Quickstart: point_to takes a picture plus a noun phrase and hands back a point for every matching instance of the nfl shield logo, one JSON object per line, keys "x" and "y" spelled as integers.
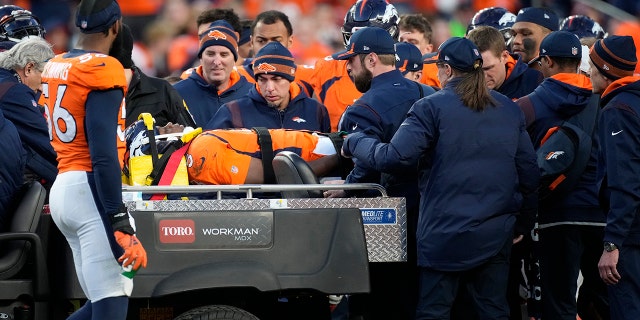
{"x": 574, "y": 51}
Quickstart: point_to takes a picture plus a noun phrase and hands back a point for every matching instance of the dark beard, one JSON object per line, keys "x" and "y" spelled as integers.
{"x": 363, "y": 81}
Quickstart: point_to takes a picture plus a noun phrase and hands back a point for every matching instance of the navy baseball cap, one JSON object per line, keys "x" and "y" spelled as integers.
{"x": 459, "y": 53}
{"x": 97, "y": 16}
{"x": 561, "y": 44}
{"x": 541, "y": 16}
{"x": 408, "y": 57}
{"x": 367, "y": 40}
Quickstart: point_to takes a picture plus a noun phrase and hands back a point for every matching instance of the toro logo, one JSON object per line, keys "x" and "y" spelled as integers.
{"x": 177, "y": 231}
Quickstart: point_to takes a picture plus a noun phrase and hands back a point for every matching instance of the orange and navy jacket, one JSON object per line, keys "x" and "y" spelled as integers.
{"x": 520, "y": 79}
{"x": 333, "y": 87}
{"x": 204, "y": 99}
{"x": 302, "y": 113}
{"x": 557, "y": 99}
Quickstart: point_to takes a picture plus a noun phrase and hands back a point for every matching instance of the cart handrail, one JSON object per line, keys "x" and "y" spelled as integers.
{"x": 251, "y": 188}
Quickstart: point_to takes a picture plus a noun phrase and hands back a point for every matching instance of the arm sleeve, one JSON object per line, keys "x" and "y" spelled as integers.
{"x": 397, "y": 155}
{"x": 622, "y": 161}
{"x": 101, "y": 106}
{"x": 356, "y": 119}
{"x": 25, "y": 114}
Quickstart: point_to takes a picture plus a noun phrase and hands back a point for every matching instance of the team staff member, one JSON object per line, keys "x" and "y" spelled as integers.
{"x": 330, "y": 79}
{"x": 215, "y": 81}
{"x": 275, "y": 101}
{"x": 571, "y": 224}
{"x": 481, "y": 173}
{"x": 503, "y": 72}
{"x": 84, "y": 89}
{"x": 613, "y": 60}
{"x": 20, "y": 77}
{"x": 387, "y": 97}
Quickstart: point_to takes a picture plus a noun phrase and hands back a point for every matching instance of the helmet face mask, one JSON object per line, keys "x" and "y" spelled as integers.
{"x": 376, "y": 13}
{"x": 20, "y": 24}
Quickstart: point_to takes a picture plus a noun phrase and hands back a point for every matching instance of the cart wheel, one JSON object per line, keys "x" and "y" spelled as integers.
{"x": 216, "y": 312}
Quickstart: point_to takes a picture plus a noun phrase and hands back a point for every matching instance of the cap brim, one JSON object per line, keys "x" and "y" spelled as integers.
{"x": 430, "y": 58}
{"x": 343, "y": 55}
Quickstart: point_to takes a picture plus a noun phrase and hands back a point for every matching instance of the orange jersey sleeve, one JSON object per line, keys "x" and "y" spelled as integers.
{"x": 66, "y": 83}
{"x": 334, "y": 88}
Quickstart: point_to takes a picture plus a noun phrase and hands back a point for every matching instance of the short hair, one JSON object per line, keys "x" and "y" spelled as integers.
{"x": 488, "y": 38}
{"x": 271, "y": 17}
{"x": 418, "y": 22}
{"x": 228, "y": 15}
{"x": 567, "y": 62}
{"x": 33, "y": 50}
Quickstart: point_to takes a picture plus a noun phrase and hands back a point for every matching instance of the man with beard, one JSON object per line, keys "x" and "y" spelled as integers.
{"x": 531, "y": 26}
{"x": 387, "y": 97}
{"x": 276, "y": 101}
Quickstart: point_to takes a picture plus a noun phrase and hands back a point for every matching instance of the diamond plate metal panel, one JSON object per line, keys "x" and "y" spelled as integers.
{"x": 385, "y": 242}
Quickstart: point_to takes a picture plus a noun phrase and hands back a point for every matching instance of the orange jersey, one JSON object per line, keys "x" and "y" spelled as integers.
{"x": 66, "y": 83}
{"x": 222, "y": 156}
{"x": 430, "y": 75}
{"x": 334, "y": 88}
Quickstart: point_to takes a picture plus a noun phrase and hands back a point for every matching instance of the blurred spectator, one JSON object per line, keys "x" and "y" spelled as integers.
{"x": 139, "y": 13}
{"x": 180, "y": 14}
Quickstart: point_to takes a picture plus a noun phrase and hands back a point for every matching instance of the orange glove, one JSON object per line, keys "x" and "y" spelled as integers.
{"x": 134, "y": 253}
